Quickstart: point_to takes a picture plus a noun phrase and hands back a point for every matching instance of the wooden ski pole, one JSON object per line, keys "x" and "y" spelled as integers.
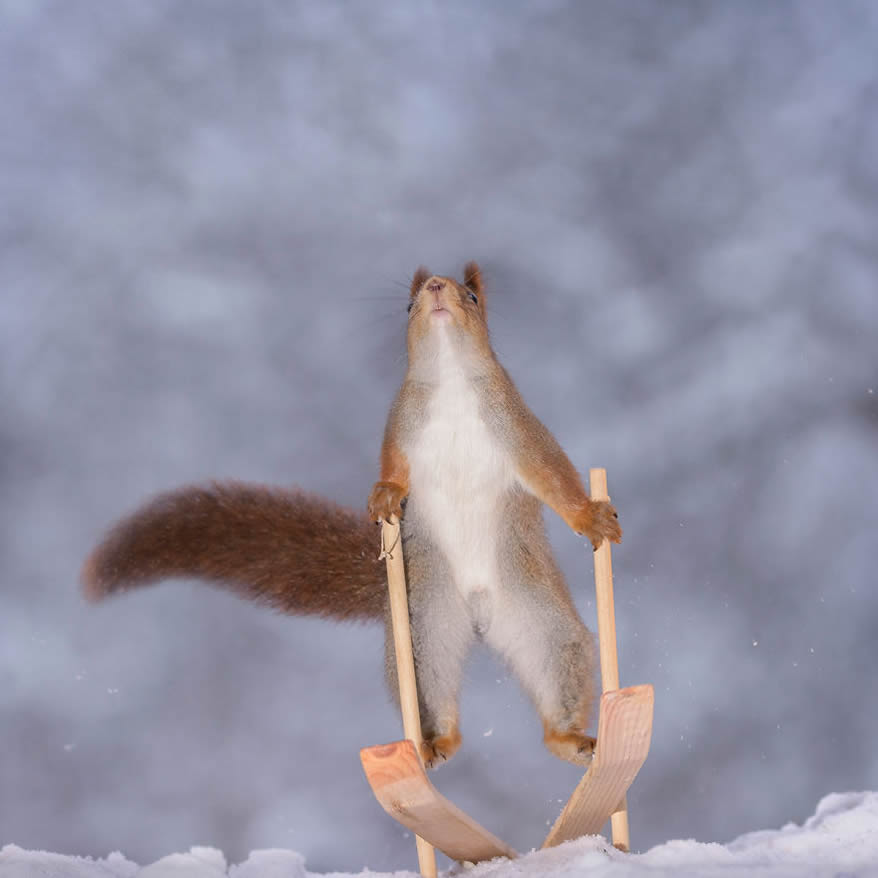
{"x": 606, "y": 612}
{"x": 391, "y": 551}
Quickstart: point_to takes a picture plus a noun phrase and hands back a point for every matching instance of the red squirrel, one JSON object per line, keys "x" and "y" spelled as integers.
{"x": 466, "y": 466}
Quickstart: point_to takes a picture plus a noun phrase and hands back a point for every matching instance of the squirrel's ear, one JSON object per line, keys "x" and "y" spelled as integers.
{"x": 419, "y": 279}
{"x": 472, "y": 277}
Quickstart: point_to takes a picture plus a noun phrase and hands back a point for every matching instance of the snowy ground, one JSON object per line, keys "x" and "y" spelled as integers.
{"x": 839, "y": 841}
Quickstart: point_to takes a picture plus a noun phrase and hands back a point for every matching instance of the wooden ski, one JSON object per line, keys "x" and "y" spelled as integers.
{"x": 400, "y": 783}
{"x": 624, "y": 733}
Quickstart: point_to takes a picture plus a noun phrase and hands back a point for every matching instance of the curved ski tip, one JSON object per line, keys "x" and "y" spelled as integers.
{"x": 394, "y": 760}
{"x": 643, "y": 692}
{"x": 384, "y": 751}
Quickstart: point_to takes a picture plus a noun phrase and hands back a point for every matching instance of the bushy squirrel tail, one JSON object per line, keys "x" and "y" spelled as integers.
{"x": 293, "y": 551}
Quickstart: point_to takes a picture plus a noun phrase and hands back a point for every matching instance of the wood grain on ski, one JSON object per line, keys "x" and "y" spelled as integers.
{"x": 624, "y": 733}
{"x": 401, "y": 785}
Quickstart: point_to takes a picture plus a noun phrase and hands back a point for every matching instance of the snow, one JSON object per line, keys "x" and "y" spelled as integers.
{"x": 839, "y": 841}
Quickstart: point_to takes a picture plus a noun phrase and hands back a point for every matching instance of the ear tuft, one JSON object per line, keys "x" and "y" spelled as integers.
{"x": 472, "y": 277}
{"x": 419, "y": 279}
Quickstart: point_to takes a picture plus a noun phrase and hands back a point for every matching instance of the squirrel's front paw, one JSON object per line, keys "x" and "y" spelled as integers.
{"x": 598, "y": 520}
{"x": 386, "y": 500}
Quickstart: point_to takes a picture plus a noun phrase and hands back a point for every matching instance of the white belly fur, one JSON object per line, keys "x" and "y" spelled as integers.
{"x": 459, "y": 474}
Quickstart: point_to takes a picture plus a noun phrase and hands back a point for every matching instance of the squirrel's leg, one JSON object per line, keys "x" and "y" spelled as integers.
{"x": 553, "y": 655}
{"x": 442, "y": 635}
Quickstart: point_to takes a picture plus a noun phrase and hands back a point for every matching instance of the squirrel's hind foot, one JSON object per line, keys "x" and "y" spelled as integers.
{"x": 435, "y": 751}
{"x": 570, "y": 746}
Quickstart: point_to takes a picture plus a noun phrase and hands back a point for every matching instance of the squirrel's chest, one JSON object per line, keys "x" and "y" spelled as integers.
{"x": 459, "y": 474}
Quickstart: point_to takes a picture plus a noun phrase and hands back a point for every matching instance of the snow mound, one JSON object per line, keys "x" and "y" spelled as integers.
{"x": 839, "y": 841}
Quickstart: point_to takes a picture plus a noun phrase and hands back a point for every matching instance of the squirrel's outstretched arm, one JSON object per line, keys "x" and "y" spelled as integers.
{"x": 392, "y": 486}
{"x": 294, "y": 551}
{"x": 545, "y": 470}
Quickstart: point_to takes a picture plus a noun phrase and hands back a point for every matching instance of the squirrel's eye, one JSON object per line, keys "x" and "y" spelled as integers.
{"x": 473, "y": 296}
{"x": 411, "y": 305}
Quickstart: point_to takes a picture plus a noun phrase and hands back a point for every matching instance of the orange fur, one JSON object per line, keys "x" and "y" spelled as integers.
{"x": 469, "y": 317}
{"x": 441, "y": 748}
{"x": 572, "y": 746}
{"x": 418, "y": 279}
{"x": 472, "y": 278}
{"x": 288, "y": 549}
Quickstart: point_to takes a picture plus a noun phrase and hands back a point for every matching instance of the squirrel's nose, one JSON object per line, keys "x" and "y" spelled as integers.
{"x": 435, "y": 285}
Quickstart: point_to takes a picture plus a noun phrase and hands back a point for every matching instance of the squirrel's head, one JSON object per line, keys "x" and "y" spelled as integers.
{"x": 440, "y": 307}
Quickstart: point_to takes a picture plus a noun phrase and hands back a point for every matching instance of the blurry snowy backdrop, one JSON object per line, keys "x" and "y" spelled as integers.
{"x": 210, "y": 213}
